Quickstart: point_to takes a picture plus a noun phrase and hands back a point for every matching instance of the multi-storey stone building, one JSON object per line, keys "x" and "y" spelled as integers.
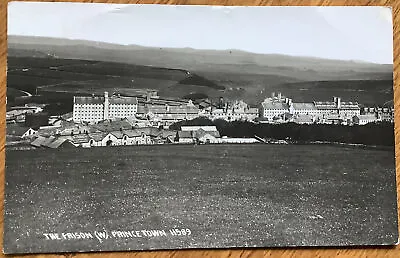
{"x": 277, "y": 108}
{"x": 94, "y": 109}
{"x": 337, "y": 106}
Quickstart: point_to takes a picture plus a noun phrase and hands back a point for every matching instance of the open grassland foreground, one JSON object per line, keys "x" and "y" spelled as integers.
{"x": 216, "y": 195}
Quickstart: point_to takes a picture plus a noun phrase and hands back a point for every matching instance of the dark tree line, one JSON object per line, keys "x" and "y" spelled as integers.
{"x": 371, "y": 134}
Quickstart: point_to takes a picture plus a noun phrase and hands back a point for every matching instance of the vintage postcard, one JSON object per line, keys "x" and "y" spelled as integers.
{"x": 149, "y": 127}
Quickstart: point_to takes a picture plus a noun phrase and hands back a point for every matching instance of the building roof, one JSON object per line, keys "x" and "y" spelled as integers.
{"x": 217, "y": 111}
{"x": 109, "y": 126}
{"x": 275, "y": 105}
{"x": 135, "y": 132}
{"x": 29, "y": 105}
{"x": 132, "y": 120}
{"x": 165, "y": 109}
{"x": 38, "y": 141}
{"x": 183, "y": 109}
{"x": 195, "y": 128}
{"x": 57, "y": 142}
{"x": 201, "y": 133}
{"x": 303, "y": 119}
{"x": 132, "y": 133}
{"x": 13, "y": 113}
{"x": 204, "y": 104}
{"x": 185, "y": 134}
{"x": 168, "y": 133}
{"x": 15, "y": 129}
{"x": 98, "y": 136}
{"x": 122, "y": 100}
{"x": 367, "y": 117}
{"x": 47, "y": 141}
{"x": 205, "y": 135}
{"x": 304, "y": 106}
{"x": 163, "y": 101}
{"x": 349, "y": 105}
{"x": 67, "y": 116}
{"x": 151, "y": 131}
{"x": 80, "y": 138}
{"x": 100, "y": 100}
{"x": 88, "y": 100}
{"x": 325, "y": 105}
{"x": 43, "y": 141}
{"x": 118, "y": 134}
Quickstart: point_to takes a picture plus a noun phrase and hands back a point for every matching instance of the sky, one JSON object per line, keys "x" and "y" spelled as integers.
{"x": 345, "y": 33}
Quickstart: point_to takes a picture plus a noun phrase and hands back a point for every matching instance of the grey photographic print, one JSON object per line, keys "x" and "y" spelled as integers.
{"x": 153, "y": 127}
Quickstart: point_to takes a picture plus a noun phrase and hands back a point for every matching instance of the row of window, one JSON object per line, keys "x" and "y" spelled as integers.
{"x": 119, "y": 108}
{"x": 101, "y": 107}
{"x": 115, "y": 105}
{"x": 122, "y": 111}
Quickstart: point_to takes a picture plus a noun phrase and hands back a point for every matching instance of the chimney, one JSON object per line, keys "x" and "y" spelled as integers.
{"x": 290, "y": 102}
{"x": 339, "y": 102}
{"x": 221, "y": 102}
{"x": 286, "y": 100}
{"x": 148, "y": 97}
{"x": 273, "y": 94}
{"x": 335, "y": 100}
{"x": 106, "y": 106}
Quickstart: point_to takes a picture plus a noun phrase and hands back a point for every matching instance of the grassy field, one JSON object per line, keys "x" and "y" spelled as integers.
{"x": 226, "y": 195}
{"x": 65, "y": 75}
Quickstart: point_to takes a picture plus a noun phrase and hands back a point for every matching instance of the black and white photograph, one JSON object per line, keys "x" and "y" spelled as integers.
{"x": 162, "y": 127}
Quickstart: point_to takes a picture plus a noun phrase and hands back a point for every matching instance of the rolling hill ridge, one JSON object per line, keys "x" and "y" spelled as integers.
{"x": 76, "y": 66}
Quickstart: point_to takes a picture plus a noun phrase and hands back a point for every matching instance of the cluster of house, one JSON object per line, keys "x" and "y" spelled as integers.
{"x": 105, "y": 133}
{"x": 155, "y": 112}
{"x": 275, "y": 109}
{"x": 238, "y": 110}
{"x": 111, "y": 133}
{"x": 278, "y": 109}
{"x": 119, "y": 120}
{"x": 19, "y": 113}
{"x": 139, "y": 136}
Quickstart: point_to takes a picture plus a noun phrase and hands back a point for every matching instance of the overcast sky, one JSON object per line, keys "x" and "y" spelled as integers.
{"x": 347, "y": 33}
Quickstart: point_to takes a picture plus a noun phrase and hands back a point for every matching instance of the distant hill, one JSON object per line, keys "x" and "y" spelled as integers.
{"x": 231, "y": 61}
{"x": 71, "y": 66}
